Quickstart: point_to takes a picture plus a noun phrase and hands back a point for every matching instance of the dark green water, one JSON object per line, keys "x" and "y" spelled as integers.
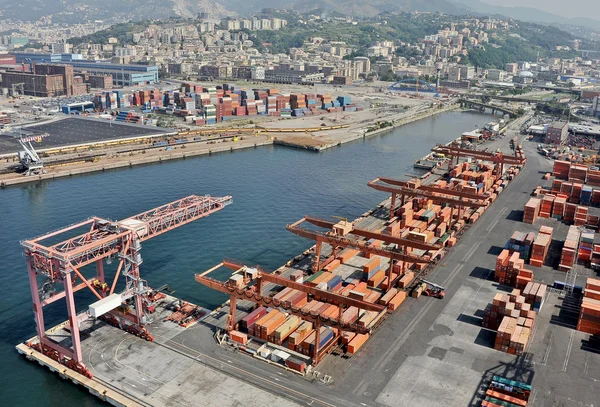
{"x": 270, "y": 187}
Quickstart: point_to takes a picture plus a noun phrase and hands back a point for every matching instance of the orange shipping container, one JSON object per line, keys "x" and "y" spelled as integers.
{"x": 358, "y": 341}
{"x": 347, "y": 255}
{"x": 388, "y": 296}
{"x": 272, "y": 325}
{"x": 347, "y": 337}
{"x": 507, "y": 398}
{"x": 238, "y": 337}
{"x": 371, "y": 265}
{"x": 397, "y": 300}
{"x": 333, "y": 265}
{"x": 376, "y": 279}
{"x": 406, "y": 279}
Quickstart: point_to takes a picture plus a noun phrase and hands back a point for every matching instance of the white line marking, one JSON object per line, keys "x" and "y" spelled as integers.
{"x": 569, "y": 347}
{"x": 545, "y": 359}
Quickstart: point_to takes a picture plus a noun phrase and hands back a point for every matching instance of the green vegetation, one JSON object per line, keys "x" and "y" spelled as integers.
{"x": 122, "y": 32}
{"x": 527, "y": 42}
{"x": 165, "y": 121}
{"x": 393, "y": 27}
{"x": 379, "y": 125}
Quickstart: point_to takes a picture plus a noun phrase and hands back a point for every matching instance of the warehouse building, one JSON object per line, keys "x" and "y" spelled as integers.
{"x": 290, "y": 76}
{"x": 122, "y": 74}
{"x": 45, "y": 80}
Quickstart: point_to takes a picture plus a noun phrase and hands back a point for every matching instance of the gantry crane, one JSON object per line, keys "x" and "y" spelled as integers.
{"x": 254, "y": 280}
{"x": 498, "y": 158}
{"x": 337, "y": 238}
{"x": 63, "y": 263}
{"x": 456, "y": 199}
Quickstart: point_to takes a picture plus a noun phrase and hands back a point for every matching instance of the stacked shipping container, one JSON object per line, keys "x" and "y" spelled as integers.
{"x": 589, "y": 316}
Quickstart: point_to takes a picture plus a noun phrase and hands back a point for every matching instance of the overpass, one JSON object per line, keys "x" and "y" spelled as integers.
{"x": 504, "y": 98}
{"x": 483, "y": 106}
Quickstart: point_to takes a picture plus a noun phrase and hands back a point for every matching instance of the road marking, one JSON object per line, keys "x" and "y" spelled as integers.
{"x": 532, "y": 398}
{"x": 199, "y": 354}
{"x": 547, "y": 353}
{"x": 472, "y": 251}
{"x": 496, "y": 219}
{"x": 569, "y": 347}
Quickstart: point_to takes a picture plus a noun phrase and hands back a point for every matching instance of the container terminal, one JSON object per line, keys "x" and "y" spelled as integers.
{"x": 424, "y": 300}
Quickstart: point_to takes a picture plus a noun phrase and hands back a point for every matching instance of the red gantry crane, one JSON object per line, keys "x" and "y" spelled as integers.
{"x": 252, "y": 289}
{"x": 63, "y": 263}
{"x": 456, "y": 199}
{"x": 498, "y": 158}
{"x": 337, "y": 237}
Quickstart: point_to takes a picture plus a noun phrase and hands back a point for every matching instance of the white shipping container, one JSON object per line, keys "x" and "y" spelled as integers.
{"x": 105, "y": 305}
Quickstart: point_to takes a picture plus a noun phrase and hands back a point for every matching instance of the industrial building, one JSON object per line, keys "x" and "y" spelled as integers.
{"x": 290, "y": 76}
{"x": 557, "y": 132}
{"x": 122, "y": 74}
{"x": 45, "y": 80}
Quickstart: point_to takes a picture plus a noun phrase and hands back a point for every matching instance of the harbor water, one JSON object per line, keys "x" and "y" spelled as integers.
{"x": 271, "y": 187}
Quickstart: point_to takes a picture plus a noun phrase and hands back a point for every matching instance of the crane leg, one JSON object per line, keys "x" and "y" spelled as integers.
{"x": 316, "y": 262}
{"x": 232, "y": 306}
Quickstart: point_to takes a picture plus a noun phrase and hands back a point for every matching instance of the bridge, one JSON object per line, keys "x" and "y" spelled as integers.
{"x": 484, "y": 97}
{"x": 413, "y": 85}
{"x": 586, "y": 52}
{"x": 483, "y": 106}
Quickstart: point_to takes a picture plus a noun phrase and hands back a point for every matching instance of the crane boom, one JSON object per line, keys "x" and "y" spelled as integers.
{"x": 103, "y": 240}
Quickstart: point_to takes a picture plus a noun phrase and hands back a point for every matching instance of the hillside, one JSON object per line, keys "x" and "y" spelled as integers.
{"x": 71, "y": 11}
{"x": 527, "y": 14}
{"x": 75, "y": 11}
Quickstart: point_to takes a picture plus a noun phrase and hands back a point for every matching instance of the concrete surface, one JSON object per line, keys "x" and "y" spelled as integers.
{"x": 75, "y": 130}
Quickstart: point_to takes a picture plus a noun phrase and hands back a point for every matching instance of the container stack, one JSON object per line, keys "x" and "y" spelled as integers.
{"x": 569, "y": 251}
{"x": 559, "y": 207}
{"x": 284, "y": 330}
{"x": 343, "y": 100}
{"x": 541, "y": 246}
{"x": 297, "y": 102}
{"x": 271, "y": 104}
{"x": 593, "y": 178}
{"x": 546, "y": 207}
{"x": 265, "y": 326}
{"x": 586, "y": 195}
{"x": 300, "y": 334}
{"x": 581, "y": 216}
{"x": 308, "y": 346}
{"x": 586, "y": 247}
{"x": 535, "y": 294}
{"x": 595, "y": 260}
{"x": 589, "y": 316}
{"x": 326, "y": 100}
{"x": 249, "y": 320}
{"x": 500, "y": 307}
{"x": 504, "y": 392}
{"x": 251, "y": 107}
{"x": 575, "y": 196}
{"x": 578, "y": 173}
{"x": 570, "y": 210}
{"x": 521, "y": 242}
{"x": 511, "y": 337}
{"x": 532, "y": 210}
{"x": 510, "y": 269}
{"x": 561, "y": 169}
